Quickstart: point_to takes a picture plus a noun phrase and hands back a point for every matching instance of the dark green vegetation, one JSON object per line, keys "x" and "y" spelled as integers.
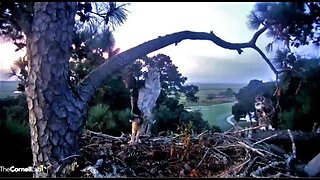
{"x": 298, "y": 97}
{"x": 14, "y": 133}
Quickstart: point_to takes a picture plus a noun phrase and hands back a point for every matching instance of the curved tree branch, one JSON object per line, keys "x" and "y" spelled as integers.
{"x": 265, "y": 58}
{"x": 258, "y": 33}
{"x": 94, "y": 79}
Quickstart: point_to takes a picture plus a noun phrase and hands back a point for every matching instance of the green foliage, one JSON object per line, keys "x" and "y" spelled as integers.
{"x": 172, "y": 81}
{"x": 102, "y": 119}
{"x": 16, "y": 127}
{"x": 195, "y": 117}
{"x": 299, "y": 101}
{"x": 216, "y": 129}
{"x": 14, "y": 132}
{"x": 170, "y": 115}
{"x": 99, "y": 117}
{"x": 286, "y": 119}
{"x": 295, "y": 23}
{"x": 14, "y": 115}
{"x": 113, "y": 93}
{"x": 190, "y": 93}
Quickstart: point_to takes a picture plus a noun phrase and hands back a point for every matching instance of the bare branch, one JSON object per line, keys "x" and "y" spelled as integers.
{"x": 95, "y": 78}
{"x": 257, "y": 34}
{"x": 293, "y": 144}
{"x": 266, "y": 59}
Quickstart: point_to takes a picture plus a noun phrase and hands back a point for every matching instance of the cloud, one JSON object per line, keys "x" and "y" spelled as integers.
{"x": 230, "y": 70}
{"x": 198, "y": 60}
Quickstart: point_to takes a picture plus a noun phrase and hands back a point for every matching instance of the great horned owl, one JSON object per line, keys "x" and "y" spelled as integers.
{"x": 265, "y": 112}
{"x": 135, "y": 129}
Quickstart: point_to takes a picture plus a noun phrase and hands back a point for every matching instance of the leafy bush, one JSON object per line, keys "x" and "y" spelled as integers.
{"x": 216, "y": 129}
{"x": 14, "y": 132}
{"x": 99, "y": 118}
{"x": 102, "y": 119}
{"x": 170, "y": 115}
{"x": 195, "y": 117}
{"x": 14, "y": 115}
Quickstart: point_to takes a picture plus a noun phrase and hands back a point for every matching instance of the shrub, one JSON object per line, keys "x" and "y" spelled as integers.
{"x": 14, "y": 115}
{"x": 102, "y": 119}
{"x": 170, "y": 115}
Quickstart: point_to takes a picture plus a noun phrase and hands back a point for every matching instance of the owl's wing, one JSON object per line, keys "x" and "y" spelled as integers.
{"x": 149, "y": 94}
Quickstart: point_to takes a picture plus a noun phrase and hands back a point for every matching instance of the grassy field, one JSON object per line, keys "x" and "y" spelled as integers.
{"x": 216, "y": 114}
{"x": 216, "y": 110}
{"x": 7, "y": 88}
{"x": 211, "y": 88}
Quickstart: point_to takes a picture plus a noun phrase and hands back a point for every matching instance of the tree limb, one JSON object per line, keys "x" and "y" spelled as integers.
{"x": 258, "y": 33}
{"x": 94, "y": 79}
{"x": 298, "y": 136}
{"x": 265, "y": 59}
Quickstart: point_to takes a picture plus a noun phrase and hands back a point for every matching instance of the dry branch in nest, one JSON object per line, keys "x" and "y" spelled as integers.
{"x": 180, "y": 155}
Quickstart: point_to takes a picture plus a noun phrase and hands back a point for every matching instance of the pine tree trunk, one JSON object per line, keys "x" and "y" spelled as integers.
{"x": 55, "y": 113}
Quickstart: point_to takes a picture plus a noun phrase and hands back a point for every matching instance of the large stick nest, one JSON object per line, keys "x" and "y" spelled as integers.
{"x": 178, "y": 155}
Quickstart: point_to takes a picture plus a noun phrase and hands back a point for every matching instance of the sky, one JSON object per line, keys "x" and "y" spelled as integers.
{"x": 199, "y": 61}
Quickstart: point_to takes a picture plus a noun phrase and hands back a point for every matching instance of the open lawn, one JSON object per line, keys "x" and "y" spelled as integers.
{"x": 216, "y": 114}
{"x": 215, "y": 110}
{"x": 211, "y": 88}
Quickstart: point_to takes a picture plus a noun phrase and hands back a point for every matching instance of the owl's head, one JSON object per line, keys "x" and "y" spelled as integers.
{"x": 260, "y": 98}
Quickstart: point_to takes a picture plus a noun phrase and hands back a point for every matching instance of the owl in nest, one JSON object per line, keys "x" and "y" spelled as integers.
{"x": 265, "y": 112}
{"x": 136, "y": 124}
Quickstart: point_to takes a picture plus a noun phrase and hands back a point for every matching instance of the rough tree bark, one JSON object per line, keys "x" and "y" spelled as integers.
{"x": 56, "y": 114}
